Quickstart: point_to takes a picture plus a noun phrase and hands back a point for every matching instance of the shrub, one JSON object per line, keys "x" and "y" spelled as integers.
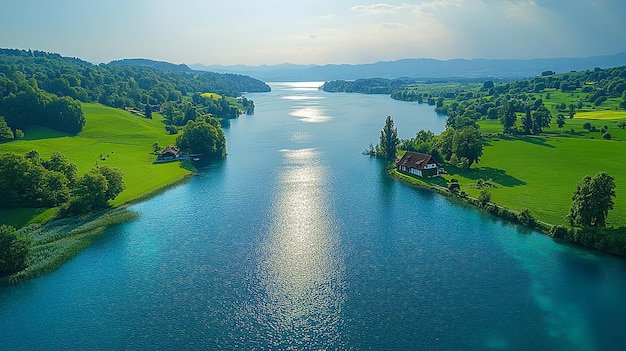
{"x": 171, "y": 129}
{"x": 454, "y": 186}
{"x": 558, "y": 232}
{"x": 506, "y": 214}
{"x": 14, "y": 250}
{"x": 484, "y": 197}
{"x": 607, "y": 136}
{"x": 526, "y": 218}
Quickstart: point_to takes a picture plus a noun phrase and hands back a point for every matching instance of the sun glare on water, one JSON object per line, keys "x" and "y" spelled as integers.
{"x": 300, "y": 271}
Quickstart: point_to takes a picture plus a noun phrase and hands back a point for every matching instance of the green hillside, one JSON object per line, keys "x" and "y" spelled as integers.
{"x": 111, "y": 137}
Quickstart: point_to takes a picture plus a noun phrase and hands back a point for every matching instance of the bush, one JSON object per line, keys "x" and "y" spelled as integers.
{"x": 484, "y": 197}
{"x": 171, "y": 129}
{"x": 607, "y": 136}
{"x": 608, "y": 240}
{"x": 454, "y": 186}
{"x": 14, "y": 251}
{"x": 506, "y": 214}
{"x": 526, "y": 218}
{"x": 558, "y": 232}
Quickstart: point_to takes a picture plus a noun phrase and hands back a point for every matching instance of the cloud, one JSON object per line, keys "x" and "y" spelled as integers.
{"x": 380, "y": 9}
{"x": 323, "y": 31}
{"x": 417, "y": 9}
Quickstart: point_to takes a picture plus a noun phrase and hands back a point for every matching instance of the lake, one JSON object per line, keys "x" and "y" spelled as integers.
{"x": 297, "y": 241}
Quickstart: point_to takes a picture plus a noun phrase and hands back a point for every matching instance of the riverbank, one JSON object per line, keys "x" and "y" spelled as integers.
{"x": 608, "y": 240}
{"x": 59, "y": 240}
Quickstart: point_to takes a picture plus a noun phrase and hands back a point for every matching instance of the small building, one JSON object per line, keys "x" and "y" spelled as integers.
{"x": 422, "y": 165}
{"x": 169, "y": 153}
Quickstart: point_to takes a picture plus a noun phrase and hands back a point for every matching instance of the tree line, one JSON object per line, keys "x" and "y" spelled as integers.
{"x": 31, "y": 181}
{"x": 460, "y": 147}
{"x": 45, "y": 88}
{"x": 23, "y": 103}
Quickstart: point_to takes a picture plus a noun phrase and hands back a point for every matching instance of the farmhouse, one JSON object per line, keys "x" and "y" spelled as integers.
{"x": 417, "y": 163}
{"x": 169, "y": 153}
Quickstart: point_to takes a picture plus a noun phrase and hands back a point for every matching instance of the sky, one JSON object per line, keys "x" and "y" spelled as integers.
{"x": 253, "y": 32}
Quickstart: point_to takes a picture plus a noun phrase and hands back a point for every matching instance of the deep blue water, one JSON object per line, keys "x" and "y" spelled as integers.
{"x": 297, "y": 241}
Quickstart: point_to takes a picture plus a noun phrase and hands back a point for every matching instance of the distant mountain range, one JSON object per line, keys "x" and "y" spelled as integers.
{"x": 158, "y": 65}
{"x": 421, "y": 68}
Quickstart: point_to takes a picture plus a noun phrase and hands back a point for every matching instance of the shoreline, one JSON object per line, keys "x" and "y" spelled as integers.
{"x": 59, "y": 240}
{"x": 610, "y": 241}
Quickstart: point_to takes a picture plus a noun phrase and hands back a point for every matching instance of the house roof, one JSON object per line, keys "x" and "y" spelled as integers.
{"x": 170, "y": 150}
{"x": 415, "y": 160}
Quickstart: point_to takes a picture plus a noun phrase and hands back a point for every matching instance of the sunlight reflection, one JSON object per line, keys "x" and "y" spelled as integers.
{"x": 310, "y": 114}
{"x": 301, "y": 273}
{"x": 300, "y": 137}
{"x": 301, "y": 97}
{"x": 304, "y": 86}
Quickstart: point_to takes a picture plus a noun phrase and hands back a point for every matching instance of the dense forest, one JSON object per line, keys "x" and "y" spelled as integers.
{"x": 45, "y": 88}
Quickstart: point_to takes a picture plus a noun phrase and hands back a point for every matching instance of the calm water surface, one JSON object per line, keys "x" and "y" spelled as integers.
{"x": 298, "y": 242}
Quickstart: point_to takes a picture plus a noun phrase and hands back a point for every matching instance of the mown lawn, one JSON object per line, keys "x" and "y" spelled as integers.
{"x": 541, "y": 172}
{"x": 111, "y": 137}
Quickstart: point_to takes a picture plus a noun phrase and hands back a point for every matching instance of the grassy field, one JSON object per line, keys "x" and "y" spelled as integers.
{"x": 111, "y": 137}
{"x": 214, "y": 96}
{"x": 541, "y": 172}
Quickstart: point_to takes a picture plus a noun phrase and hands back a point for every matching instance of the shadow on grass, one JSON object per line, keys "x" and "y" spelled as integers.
{"x": 498, "y": 176}
{"x": 38, "y": 133}
{"x": 537, "y": 140}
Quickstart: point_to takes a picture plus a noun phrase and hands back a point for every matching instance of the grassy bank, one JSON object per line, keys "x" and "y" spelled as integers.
{"x": 56, "y": 242}
{"x": 111, "y": 137}
{"x": 540, "y": 173}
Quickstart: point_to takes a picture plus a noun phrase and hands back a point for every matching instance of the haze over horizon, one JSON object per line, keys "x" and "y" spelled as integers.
{"x": 315, "y": 32}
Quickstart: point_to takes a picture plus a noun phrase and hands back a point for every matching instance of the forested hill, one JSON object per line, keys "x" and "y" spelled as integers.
{"x": 111, "y": 83}
{"x": 158, "y": 65}
{"x": 37, "y": 87}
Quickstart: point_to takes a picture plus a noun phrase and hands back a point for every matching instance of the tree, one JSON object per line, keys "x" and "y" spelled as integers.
{"x": 90, "y": 192}
{"x": 65, "y": 114}
{"x": 560, "y": 120}
{"x": 204, "y": 137}
{"x": 592, "y": 200}
{"x": 60, "y": 163}
{"x": 389, "y": 140}
{"x": 541, "y": 119}
{"x": 14, "y": 251}
{"x": 115, "y": 181}
{"x": 468, "y": 144}
{"x": 445, "y": 143}
{"x": 148, "y": 111}
{"x": 484, "y": 197}
{"x": 527, "y": 122}
{"x": 156, "y": 147}
{"x": 507, "y": 116}
{"x": 5, "y": 131}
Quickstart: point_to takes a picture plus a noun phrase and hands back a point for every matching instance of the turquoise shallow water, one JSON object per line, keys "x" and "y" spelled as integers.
{"x": 297, "y": 241}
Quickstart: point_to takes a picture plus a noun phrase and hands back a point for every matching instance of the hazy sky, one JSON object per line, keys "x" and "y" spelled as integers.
{"x": 318, "y": 32}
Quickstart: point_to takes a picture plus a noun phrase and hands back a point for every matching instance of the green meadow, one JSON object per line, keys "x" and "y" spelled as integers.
{"x": 214, "y": 96}
{"x": 541, "y": 172}
{"x": 110, "y": 137}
